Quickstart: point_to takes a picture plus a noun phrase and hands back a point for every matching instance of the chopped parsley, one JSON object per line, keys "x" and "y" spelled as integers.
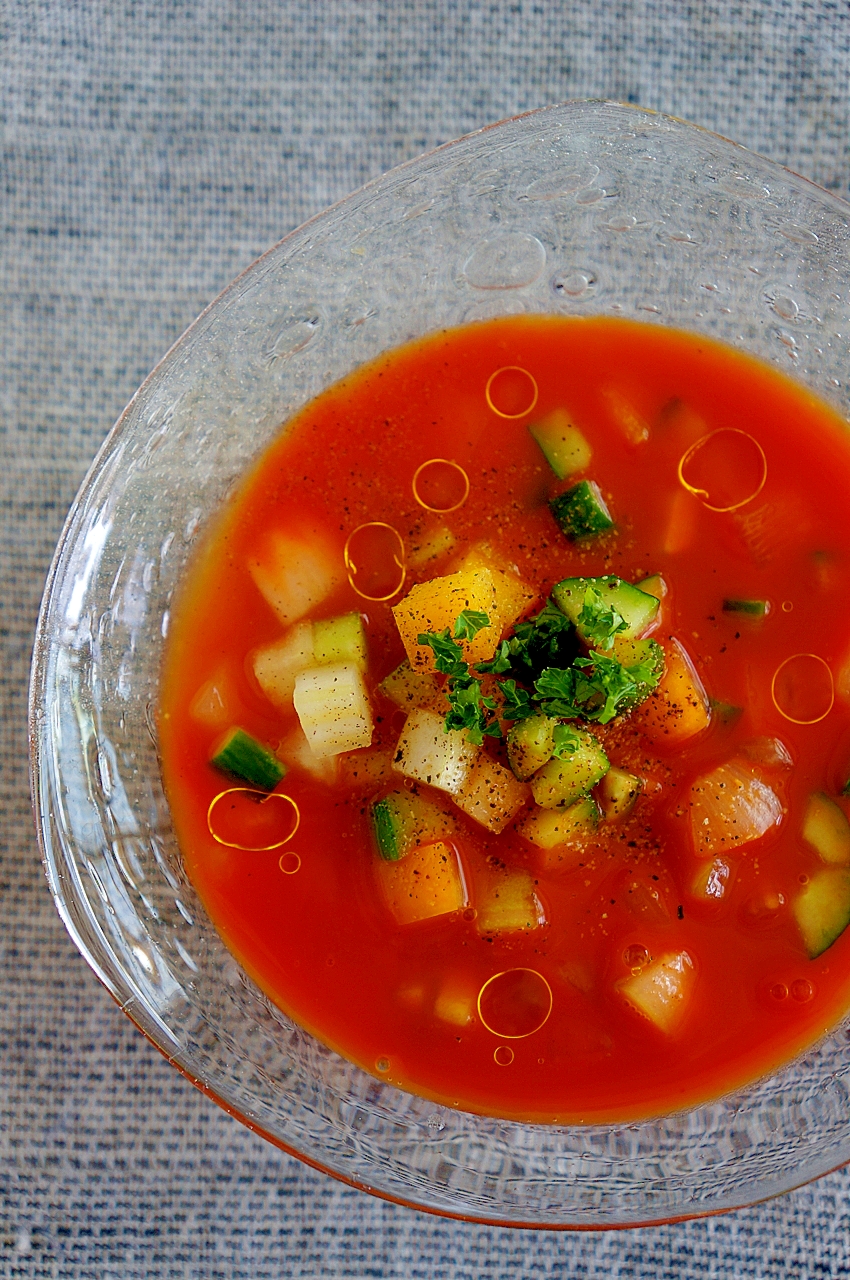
{"x": 599, "y": 622}
{"x": 550, "y": 672}
{"x": 469, "y": 623}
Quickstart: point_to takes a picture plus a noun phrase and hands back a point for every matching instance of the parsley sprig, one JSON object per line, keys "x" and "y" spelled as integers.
{"x": 599, "y": 623}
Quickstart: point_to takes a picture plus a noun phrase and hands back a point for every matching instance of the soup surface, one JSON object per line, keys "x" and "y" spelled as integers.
{"x": 618, "y": 883}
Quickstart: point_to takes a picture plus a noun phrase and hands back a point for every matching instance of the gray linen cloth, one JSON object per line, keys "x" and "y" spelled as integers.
{"x": 150, "y": 151}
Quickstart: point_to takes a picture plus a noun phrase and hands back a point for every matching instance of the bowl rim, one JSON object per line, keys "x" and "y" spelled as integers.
{"x": 38, "y": 672}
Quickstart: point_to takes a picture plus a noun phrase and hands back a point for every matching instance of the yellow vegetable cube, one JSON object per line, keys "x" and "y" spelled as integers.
{"x": 435, "y": 605}
{"x": 506, "y": 903}
{"x": 513, "y": 596}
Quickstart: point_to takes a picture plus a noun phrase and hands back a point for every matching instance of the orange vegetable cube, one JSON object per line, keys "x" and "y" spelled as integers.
{"x": 678, "y": 709}
{"x": 424, "y": 883}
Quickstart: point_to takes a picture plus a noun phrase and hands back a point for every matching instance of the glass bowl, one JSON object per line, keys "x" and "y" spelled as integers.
{"x": 580, "y": 209}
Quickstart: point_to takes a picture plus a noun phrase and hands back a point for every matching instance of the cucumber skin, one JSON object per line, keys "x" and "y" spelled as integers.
{"x": 384, "y": 822}
{"x": 581, "y": 512}
{"x": 244, "y": 757}
{"x": 752, "y": 608}
{"x": 521, "y": 752}
{"x": 822, "y": 910}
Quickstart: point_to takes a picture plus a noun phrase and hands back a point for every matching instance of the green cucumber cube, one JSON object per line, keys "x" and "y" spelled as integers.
{"x": 530, "y": 745}
{"x": 563, "y": 781}
{"x": 752, "y": 608}
{"x": 822, "y": 910}
{"x": 563, "y": 445}
{"x": 246, "y": 758}
{"x": 637, "y": 608}
{"x": 581, "y": 512}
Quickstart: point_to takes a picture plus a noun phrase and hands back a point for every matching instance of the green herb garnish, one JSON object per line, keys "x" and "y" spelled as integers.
{"x": 599, "y": 622}
{"x": 469, "y": 623}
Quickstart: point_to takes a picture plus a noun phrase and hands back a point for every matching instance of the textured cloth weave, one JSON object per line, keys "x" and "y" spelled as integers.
{"x": 150, "y": 151}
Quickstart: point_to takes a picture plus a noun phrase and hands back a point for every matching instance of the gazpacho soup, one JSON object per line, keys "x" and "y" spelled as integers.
{"x": 505, "y": 719}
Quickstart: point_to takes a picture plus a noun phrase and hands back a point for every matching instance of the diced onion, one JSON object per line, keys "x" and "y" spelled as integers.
{"x": 731, "y": 806}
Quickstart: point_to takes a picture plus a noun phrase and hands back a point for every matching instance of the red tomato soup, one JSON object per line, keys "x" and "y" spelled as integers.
{"x": 607, "y": 875}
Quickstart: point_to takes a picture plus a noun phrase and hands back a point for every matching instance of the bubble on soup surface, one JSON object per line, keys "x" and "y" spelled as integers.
{"x": 251, "y": 820}
{"x": 515, "y": 1003}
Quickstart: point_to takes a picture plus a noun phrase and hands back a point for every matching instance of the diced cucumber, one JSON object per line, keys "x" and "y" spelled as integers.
{"x": 563, "y": 781}
{"x": 581, "y": 512}
{"x": 551, "y": 828}
{"x": 753, "y": 608}
{"x": 564, "y": 447}
{"x": 635, "y": 606}
{"x": 404, "y": 819}
{"x": 341, "y": 639}
{"x": 649, "y": 654}
{"x": 246, "y": 758}
{"x": 827, "y": 830}
{"x": 618, "y": 792}
{"x": 530, "y": 745}
{"x": 408, "y": 688}
{"x": 822, "y": 910}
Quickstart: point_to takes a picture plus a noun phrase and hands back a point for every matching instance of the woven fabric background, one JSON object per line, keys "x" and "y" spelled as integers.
{"x": 151, "y": 149}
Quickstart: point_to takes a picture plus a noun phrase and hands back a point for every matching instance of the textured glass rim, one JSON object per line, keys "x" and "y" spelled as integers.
{"x": 37, "y": 689}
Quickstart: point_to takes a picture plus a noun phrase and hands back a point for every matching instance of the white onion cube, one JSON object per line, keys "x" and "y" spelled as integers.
{"x": 333, "y": 707}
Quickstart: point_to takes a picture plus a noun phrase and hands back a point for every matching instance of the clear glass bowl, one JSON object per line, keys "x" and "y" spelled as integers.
{"x": 579, "y": 209}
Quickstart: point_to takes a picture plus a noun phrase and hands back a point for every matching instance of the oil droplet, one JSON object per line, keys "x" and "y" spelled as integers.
{"x": 515, "y": 1003}
{"x": 802, "y": 689}
{"x": 725, "y": 469}
{"x": 503, "y": 1056}
{"x": 787, "y": 606}
{"x": 375, "y": 560}
{"x": 440, "y": 485}
{"x": 289, "y": 863}
{"x": 802, "y": 990}
{"x": 779, "y": 991}
{"x": 470, "y": 913}
{"x": 511, "y": 392}
{"x": 382, "y": 1065}
{"x": 636, "y": 957}
{"x": 244, "y": 818}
